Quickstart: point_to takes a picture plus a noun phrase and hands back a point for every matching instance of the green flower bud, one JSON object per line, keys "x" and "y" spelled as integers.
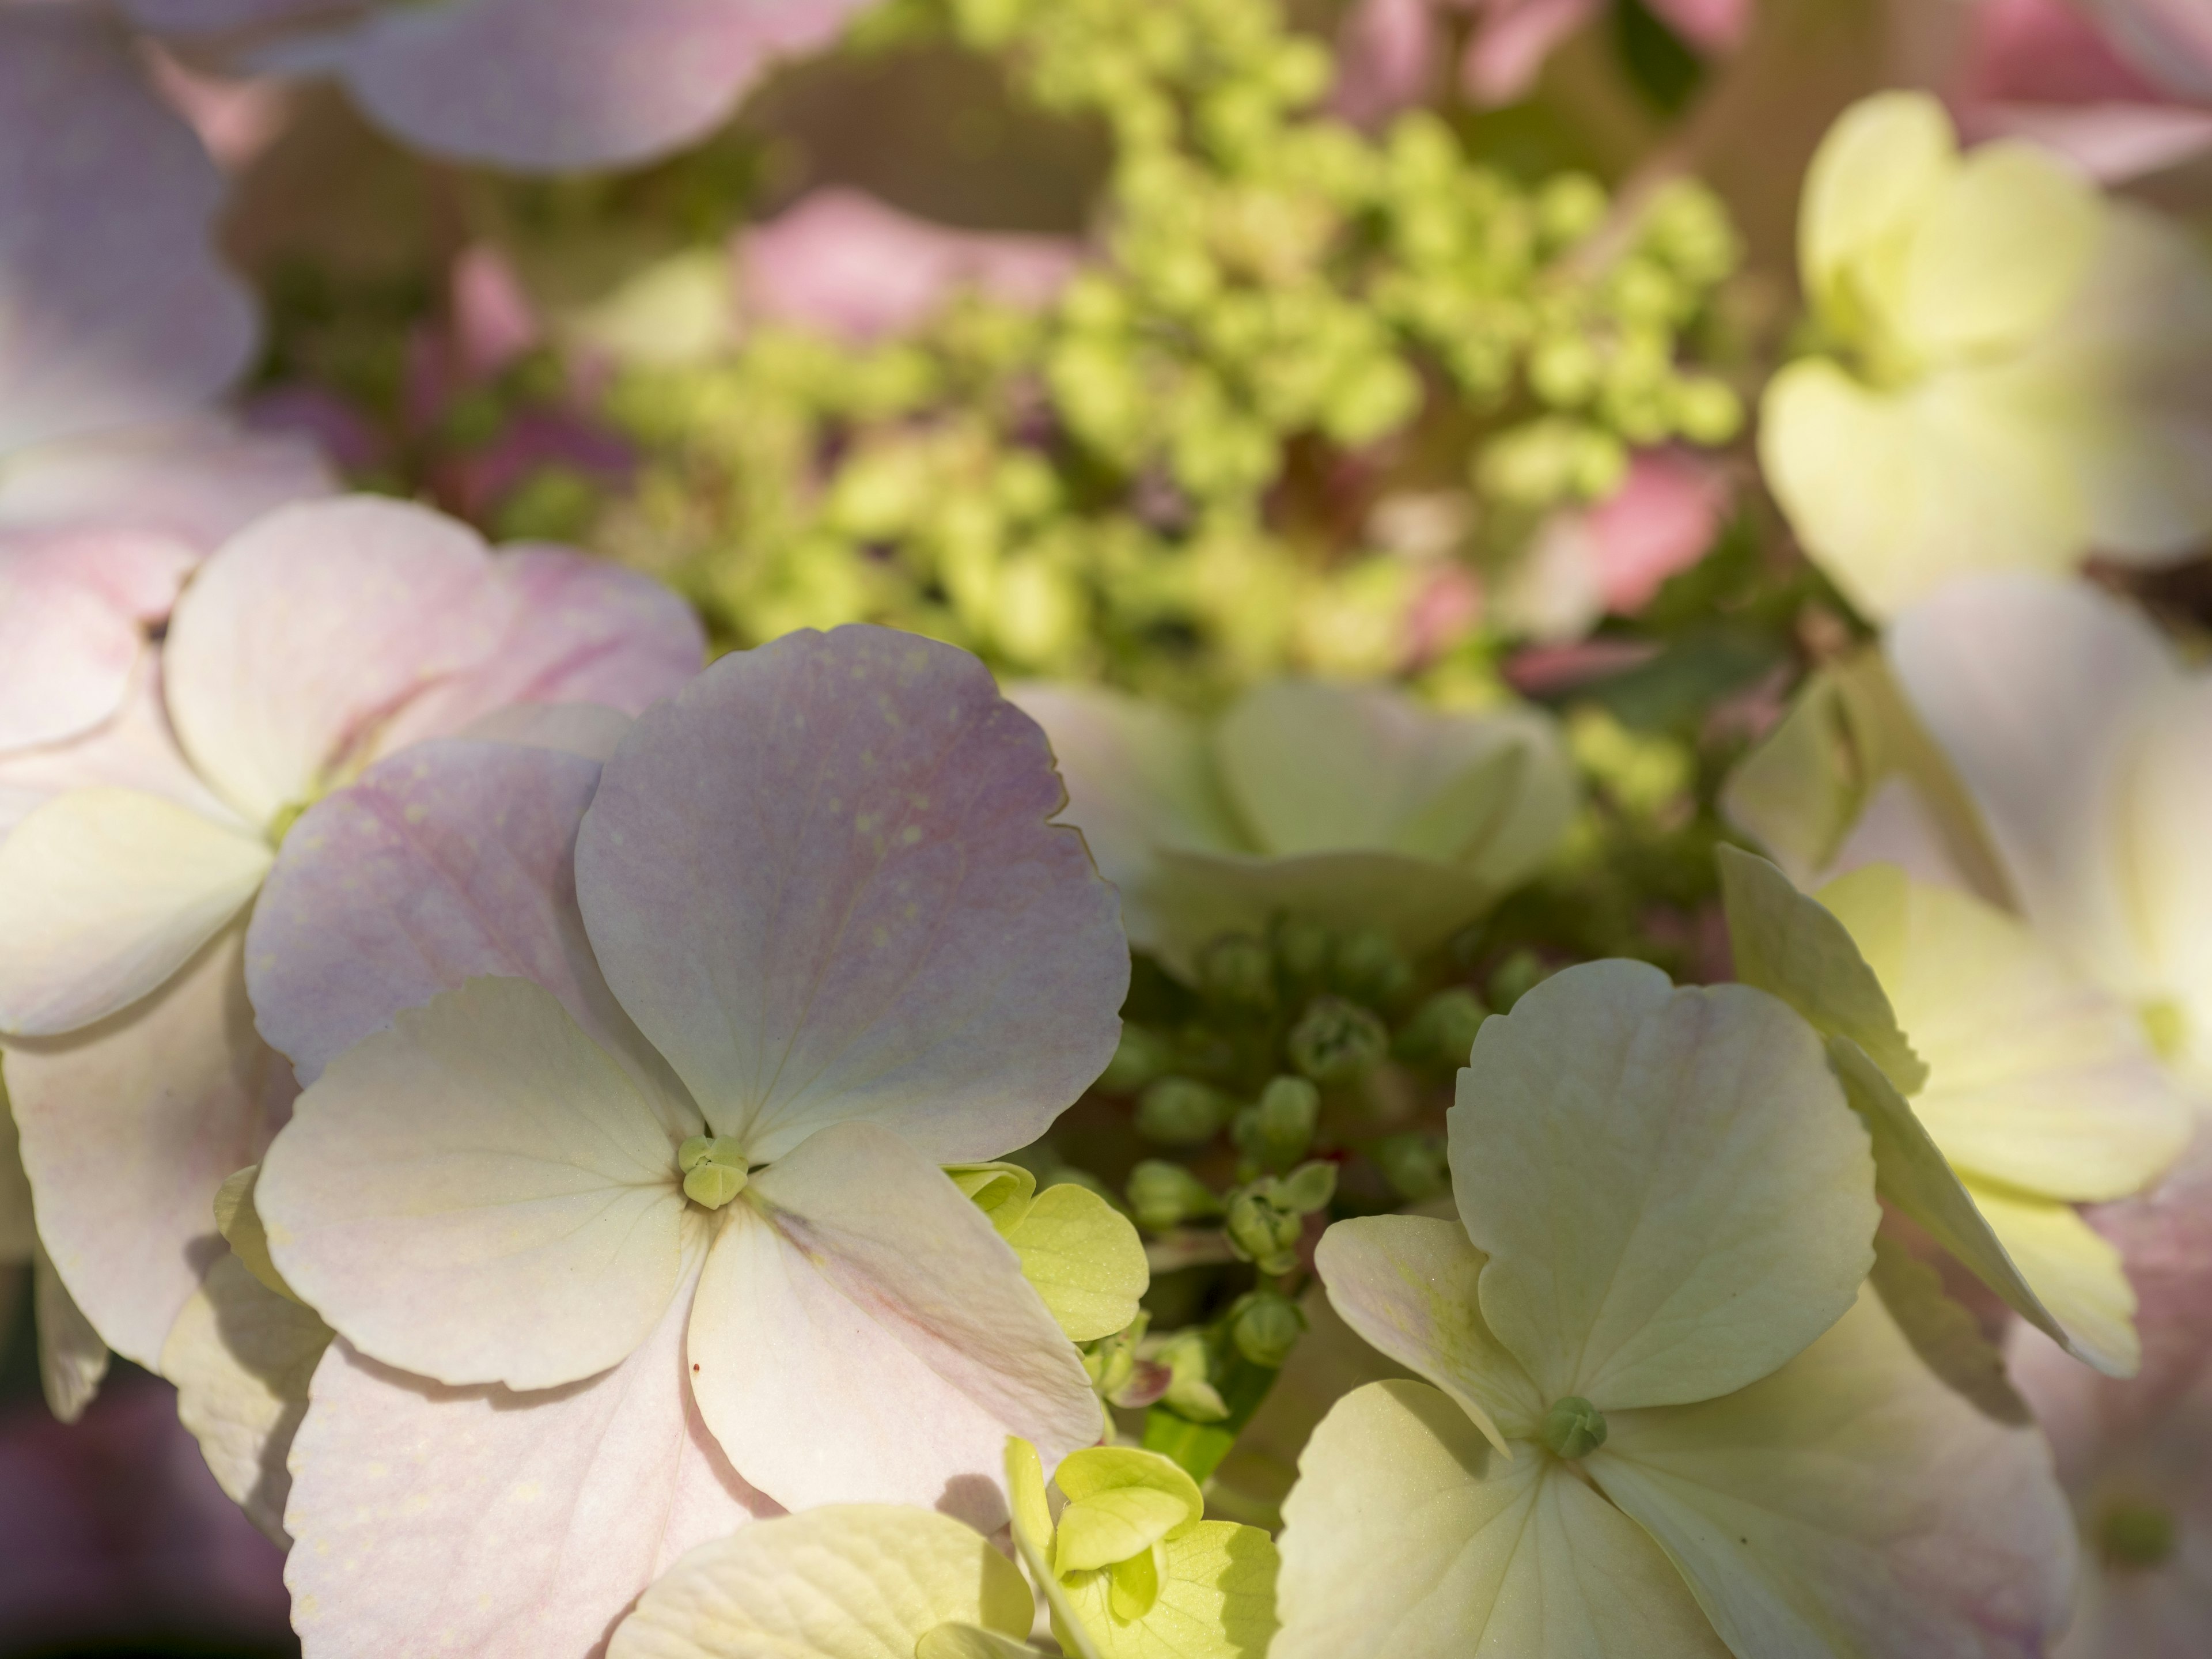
{"x": 1303, "y": 948}
{"x": 1177, "y": 1111}
{"x": 1164, "y": 1196}
{"x": 1573, "y": 1428}
{"x": 1141, "y": 1055}
{"x": 1564, "y": 369}
{"x": 1337, "y": 1042}
{"x": 1276, "y": 1131}
{"x": 1515, "y": 977}
{"x": 1263, "y": 1233}
{"x": 1369, "y": 967}
{"x": 1306, "y": 1189}
{"x": 2135, "y": 1535}
{"x": 1570, "y": 207}
{"x": 1237, "y": 971}
{"x": 1378, "y": 396}
{"x": 1441, "y": 1034}
{"x": 1266, "y": 1327}
{"x": 1707, "y": 412}
{"x": 1190, "y": 1391}
{"x": 1415, "y": 1165}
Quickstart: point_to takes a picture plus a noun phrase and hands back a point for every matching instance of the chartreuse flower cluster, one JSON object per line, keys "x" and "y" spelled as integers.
{"x": 1112, "y": 487}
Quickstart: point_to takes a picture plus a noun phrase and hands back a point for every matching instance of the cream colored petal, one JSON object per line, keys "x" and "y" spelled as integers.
{"x": 72, "y": 1359}
{"x": 1407, "y": 1285}
{"x": 2036, "y": 1079}
{"x": 1894, "y": 493}
{"x": 18, "y": 1232}
{"x": 1851, "y": 1504}
{"x": 129, "y": 1127}
{"x": 241, "y": 1356}
{"x": 850, "y": 1581}
{"x": 1216, "y": 1598}
{"x": 1870, "y": 184}
{"x": 1409, "y": 1537}
{"x": 2074, "y": 1270}
{"x": 477, "y": 1523}
{"x": 863, "y": 1334}
{"x": 2036, "y": 691}
{"x": 105, "y": 894}
{"x": 1673, "y": 1194}
{"x": 2001, "y": 248}
{"x": 480, "y": 1193}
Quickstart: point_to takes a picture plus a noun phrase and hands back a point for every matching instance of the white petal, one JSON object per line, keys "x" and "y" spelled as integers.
{"x": 480, "y": 1194}
{"x": 72, "y": 1359}
{"x": 863, "y": 1334}
{"x": 451, "y": 1523}
{"x": 1673, "y": 1195}
{"x": 104, "y": 895}
{"x": 128, "y": 1129}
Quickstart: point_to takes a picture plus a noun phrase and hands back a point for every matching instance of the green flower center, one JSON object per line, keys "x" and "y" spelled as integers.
{"x": 2167, "y": 1026}
{"x": 1573, "y": 1428}
{"x": 715, "y": 1169}
{"x": 2135, "y": 1535}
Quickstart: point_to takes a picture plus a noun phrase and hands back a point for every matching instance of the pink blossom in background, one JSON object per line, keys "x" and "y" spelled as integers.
{"x": 1663, "y": 520}
{"x": 113, "y": 1530}
{"x": 113, "y": 306}
{"x": 2120, "y": 99}
{"x": 533, "y": 85}
{"x": 845, "y": 263}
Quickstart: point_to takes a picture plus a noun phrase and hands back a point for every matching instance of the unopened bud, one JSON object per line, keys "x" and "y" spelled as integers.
{"x": 1176, "y": 1111}
{"x": 1190, "y": 1392}
{"x": 1369, "y": 967}
{"x": 1301, "y": 952}
{"x": 1337, "y": 1042}
{"x": 1164, "y": 1196}
{"x": 1307, "y": 1188}
{"x": 1265, "y": 1327}
{"x": 1141, "y": 1055}
{"x": 1441, "y": 1034}
{"x": 1573, "y": 1428}
{"x": 715, "y": 1169}
{"x": 1275, "y": 1132}
{"x": 1237, "y": 971}
{"x": 1415, "y": 1166}
{"x": 1263, "y": 1233}
{"x": 1515, "y": 977}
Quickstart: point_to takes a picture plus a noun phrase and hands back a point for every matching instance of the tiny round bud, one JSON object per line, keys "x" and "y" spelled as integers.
{"x": 1415, "y": 1165}
{"x": 1515, "y": 977}
{"x": 1301, "y": 952}
{"x": 1369, "y": 967}
{"x": 1276, "y": 1131}
{"x": 1443, "y": 1030}
{"x": 1237, "y": 971}
{"x": 1263, "y": 1233}
{"x": 1306, "y": 1188}
{"x": 1337, "y": 1042}
{"x": 1141, "y": 1055}
{"x": 1573, "y": 1428}
{"x": 1165, "y": 1196}
{"x": 1265, "y": 1327}
{"x": 1177, "y": 1111}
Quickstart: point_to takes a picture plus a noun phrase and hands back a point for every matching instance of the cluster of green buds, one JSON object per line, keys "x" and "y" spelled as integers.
{"x": 1112, "y": 488}
{"x": 1266, "y": 1218}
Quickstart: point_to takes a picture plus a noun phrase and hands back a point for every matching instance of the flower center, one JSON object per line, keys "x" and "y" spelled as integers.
{"x": 715, "y": 1169}
{"x": 2167, "y": 1026}
{"x": 2135, "y": 1535}
{"x": 1573, "y": 1428}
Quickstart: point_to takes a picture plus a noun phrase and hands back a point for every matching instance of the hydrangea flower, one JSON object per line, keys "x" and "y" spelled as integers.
{"x": 2029, "y": 1090}
{"x": 2081, "y": 739}
{"x": 322, "y": 636}
{"x": 2016, "y": 368}
{"x": 617, "y": 1164}
{"x": 1355, "y": 806}
{"x": 1662, "y": 1414}
{"x": 113, "y": 308}
{"x": 538, "y": 85}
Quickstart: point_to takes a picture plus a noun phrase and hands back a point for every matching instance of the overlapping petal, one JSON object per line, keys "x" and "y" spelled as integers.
{"x": 1851, "y": 1503}
{"x": 1216, "y": 1596}
{"x": 134, "y": 750}
{"x": 863, "y": 1331}
{"x": 106, "y": 893}
{"x": 822, "y": 881}
{"x": 474, "y": 1523}
{"x": 313, "y": 626}
{"x": 200, "y": 480}
{"x": 481, "y": 1194}
{"x": 130, "y": 1126}
{"x": 1673, "y": 1194}
{"x": 116, "y": 309}
{"x": 74, "y": 610}
{"x": 1408, "y": 1536}
{"x": 849, "y": 1581}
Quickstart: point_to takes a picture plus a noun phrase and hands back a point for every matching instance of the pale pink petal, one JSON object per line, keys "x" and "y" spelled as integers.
{"x": 305, "y": 632}
{"x": 2043, "y": 52}
{"x": 113, "y": 308}
{"x": 2170, "y": 40}
{"x": 823, "y": 882}
{"x": 1662, "y": 520}
{"x": 451, "y": 862}
{"x": 1713, "y": 25}
{"x": 2032, "y": 687}
{"x": 135, "y": 750}
{"x": 476, "y": 1523}
{"x": 75, "y": 608}
{"x": 1512, "y": 39}
{"x": 129, "y": 1127}
{"x": 864, "y": 1335}
{"x": 493, "y": 321}
{"x": 581, "y": 630}
{"x": 185, "y": 18}
{"x": 200, "y": 480}
{"x": 843, "y": 263}
{"x": 1388, "y": 55}
{"x": 554, "y": 85}
{"x": 2114, "y": 143}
